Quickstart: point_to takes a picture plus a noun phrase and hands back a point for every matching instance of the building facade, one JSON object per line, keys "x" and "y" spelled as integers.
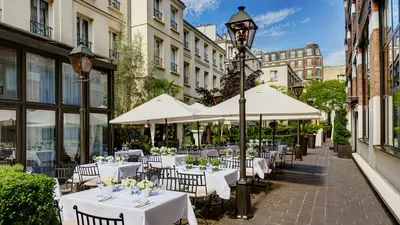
{"x": 307, "y": 62}
{"x": 179, "y": 51}
{"x": 39, "y": 95}
{"x": 334, "y": 73}
{"x": 373, "y": 80}
{"x": 279, "y": 76}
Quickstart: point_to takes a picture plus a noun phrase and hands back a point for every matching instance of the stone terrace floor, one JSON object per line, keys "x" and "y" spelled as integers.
{"x": 322, "y": 189}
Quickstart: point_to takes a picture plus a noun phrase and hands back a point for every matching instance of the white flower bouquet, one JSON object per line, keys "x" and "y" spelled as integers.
{"x": 99, "y": 158}
{"x": 228, "y": 152}
{"x": 109, "y": 181}
{"x": 110, "y": 158}
{"x": 172, "y": 151}
{"x": 164, "y": 150}
{"x": 145, "y": 184}
{"x": 251, "y": 153}
{"x": 128, "y": 182}
{"x": 119, "y": 159}
{"x": 155, "y": 151}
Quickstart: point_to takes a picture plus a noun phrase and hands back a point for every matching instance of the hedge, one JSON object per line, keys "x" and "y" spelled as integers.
{"x": 26, "y": 199}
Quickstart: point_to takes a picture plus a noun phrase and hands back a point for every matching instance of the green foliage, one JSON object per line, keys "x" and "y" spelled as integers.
{"x": 27, "y": 199}
{"x": 309, "y": 128}
{"x": 189, "y": 160}
{"x": 215, "y": 162}
{"x": 157, "y": 86}
{"x": 341, "y": 134}
{"x": 9, "y": 168}
{"x": 202, "y": 161}
{"x": 329, "y": 95}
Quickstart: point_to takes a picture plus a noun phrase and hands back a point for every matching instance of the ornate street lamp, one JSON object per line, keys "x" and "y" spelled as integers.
{"x": 297, "y": 90}
{"x": 82, "y": 61}
{"x": 242, "y": 29}
{"x": 218, "y": 97}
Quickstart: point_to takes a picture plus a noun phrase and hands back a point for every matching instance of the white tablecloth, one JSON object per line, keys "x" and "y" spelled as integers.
{"x": 40, "y": 156}
{"x": 218, "y": 181}
{"x": 170, "y": 161}
{"x": 114, "y": 170}
{"x": 130, "y": 152}
{"x": 209, "y": 152}
{"x": 168, "y": 207}
{"x": 260, "y": 167}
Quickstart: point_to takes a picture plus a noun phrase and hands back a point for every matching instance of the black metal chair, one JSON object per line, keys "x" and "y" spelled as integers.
{"x": 63, "y": 175}
{"x": 87, "y": 219}
{"x": 57, "y": 210}
{"x": 88, "y": 175}
{"x": 152, "y": 160}
{"x": 134, "y": 158}
{"x": 231, "y": 164}
{"x": 181, "y": 152}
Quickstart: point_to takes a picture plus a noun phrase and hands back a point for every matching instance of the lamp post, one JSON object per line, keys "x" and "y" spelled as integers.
{"x": 297, "y": 90}
{"x": 242, "y": 29}
{"x": 218, "y": 97}
{"x": 82, "y": 61}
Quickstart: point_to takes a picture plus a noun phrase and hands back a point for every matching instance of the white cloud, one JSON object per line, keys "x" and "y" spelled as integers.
{"x": 271, "y": 32}
{"x": 306, "y": 20}
{"x": 270, "y": 18}
{"x": 335, "y": 57}
{"x": 197, "y": 7}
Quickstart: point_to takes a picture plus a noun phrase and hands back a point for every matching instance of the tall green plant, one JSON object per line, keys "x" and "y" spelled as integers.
{"x": 341, "y": 134}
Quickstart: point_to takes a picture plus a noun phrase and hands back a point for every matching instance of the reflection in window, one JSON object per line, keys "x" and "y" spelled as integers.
{"x": 40, "y": 79}
{"x": 8, "y": 73}
{"x": 40, "y": 144}
{"x": 396, "y": 118}
{"x": 98, "y": 89}
{"x": 98, "y": 134}
{"x": 395, "y": 13}
{"x": 8, "y": 136}
{"x": 70, "y": 87}
{"x": 71, "y": 138}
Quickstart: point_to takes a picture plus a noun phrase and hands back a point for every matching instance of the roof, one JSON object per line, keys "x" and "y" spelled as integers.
{"x": 203, "y": 35}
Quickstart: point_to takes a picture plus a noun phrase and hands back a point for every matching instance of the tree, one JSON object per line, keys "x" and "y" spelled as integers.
{"x": 341, "y": 134}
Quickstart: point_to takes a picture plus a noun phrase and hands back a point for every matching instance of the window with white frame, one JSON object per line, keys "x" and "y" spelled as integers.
{"x": 186, "y": 73}
{"x": 266, "y": 57}
{"x": 318, "y": 61}
{"x": 113, "y": 41}
{"x": 185, "y": 38}
{"x": 214, "y": 83}
{"x": 309, "y": 72}
{"x": 158, "y": 51}
{"x": 283, "y": 55}
{"x": 158, "y": 9}
{"x": 273, "y": 75}
{"x": 309, "y": 62}
{"x": 309, "y": 51}
{"x": 196, "y": 46}
{"x": 205, "y": 80}
{"x": 40, "y": 18}
{"x": 82, "y": 30}
{"x": 196, "y": 77}
{"x": 273, "y": 56}
{"x": 292, "y": 54}
{"x": 300, "y": 73}
{"x": 174, "y": 23}
{"x": 317, "y": 52}
{"x": 300, "y": 53}
{"x": 300, "y": 63}
{"x": 292, "y": 64}
{"x": 205, "y": 51}
{"x": 174, "y": 60}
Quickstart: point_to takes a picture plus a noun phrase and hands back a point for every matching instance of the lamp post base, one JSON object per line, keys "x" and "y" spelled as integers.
{"x": 243, "y": 202}
{"x": 298, "y": 153}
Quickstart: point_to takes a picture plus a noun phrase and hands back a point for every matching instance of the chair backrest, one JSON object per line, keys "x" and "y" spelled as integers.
{"x": 63, "y": 174}
{"x": 87, "y": 219}
{"x": 134, "y": 158}
{"x": 91, "y": 170}
{"x": 57, "y": 210}
{"x": 181, "y": 152}
{"x": 249, "y": 163}
{"x": 264, "y": 155}
{"x": 231, "y": 163}
{"x": 154, "y": 158}
{"x": 271, "y": 161}
{"x": 160, "y": 173}
{"x": 191, "y": 183}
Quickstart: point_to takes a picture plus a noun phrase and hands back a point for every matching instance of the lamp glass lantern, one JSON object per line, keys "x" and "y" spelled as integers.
{"x": 81, "y": 59}
{"x": 241, "y": 29}
{"x": 218, "y": 97}
{"x": 297, "y": 89}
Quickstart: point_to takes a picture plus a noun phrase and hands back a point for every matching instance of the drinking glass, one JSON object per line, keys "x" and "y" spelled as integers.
{"x": 100, "y": 184}
{"x": 154, "y": 179}
{"x": 29, "y": 169}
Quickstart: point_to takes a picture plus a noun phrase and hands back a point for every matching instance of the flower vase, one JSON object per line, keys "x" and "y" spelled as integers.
{"x": 203, "y": 167}
{"x": 108, "y": 189}
{"x": 215, "y": 168}
{"x": 189, "y": 166}
{"x": 128, "y": 191}
{"x": 229, "y": 156}
{"x": 100, "y": 161}
{"x": 145, "y": 193}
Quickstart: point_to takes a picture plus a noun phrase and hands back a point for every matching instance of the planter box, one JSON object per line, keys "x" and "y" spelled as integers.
{"x": 335, "y": 147}
{"x": 311, "y": 140}
{"x": 344, "y": 151}
{"x": 303, "y": 143}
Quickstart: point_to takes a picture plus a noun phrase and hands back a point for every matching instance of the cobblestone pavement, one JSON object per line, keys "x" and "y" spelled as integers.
{"x": 322, "y": 189}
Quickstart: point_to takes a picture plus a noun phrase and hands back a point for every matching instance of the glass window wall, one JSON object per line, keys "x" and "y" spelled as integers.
{"x": 8, "y": 73}
{"x": 70, "y": 87}
{"x": 8, "y": 135}
{"x": 98, "y": 144}
{"x": 98, "y": 89}
{"x": 71, "y": 138}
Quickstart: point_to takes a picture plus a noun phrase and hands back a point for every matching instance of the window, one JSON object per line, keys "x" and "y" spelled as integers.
{"x": 98, "y": 89}
{"x": 71, "y": 90}
{"x": 317, "y": 52}
{"x": 174, "y": 23}
{"x": 113, "y": 41}
{"x": 309, "y": 72}
{"x": 266, "y": 57}
{"x": 283, "y": 55}
{"x": 292, "y": 64}
{"x": 115, "y": 4}
{"x": 174, "y": 55}
{"x": 214, "y": 84}
{"x": 8, "y": 73}
{"x": 300, "y": 53}
{"x": 158, "y": 59}
{"x": 273, "y": 56}
{"x": 82, "y": 31}
{"x": 318, "y": 72}
{"x": 40, "y": 144}
{"x": 196, "y": 46}
{"x": 40, "y": 18}
{"x": 273, "y": 75}
{"x": 186, "y": 73}
{"x": 98, "y": 130}
{"x": 205, "y": 80}
{"x": 395, "y": 9}
{"x": 309, "y": 62}
{"x": 185, "y": 39}
{"x": 300, "y": 63}
{"x": 309, "y": 51}
{"x": 318, "y": 61}
{"x": 196, "y": 77}
{"x": 395, "y": 91}
{"x": 221, "y": 61}
{"x": 71, "y": 142}
{"x": 205, "y": 52}
{"x": 157, "y": 9}
{"x": 365, "y": 88}
{"x": 300, "y": 74}
{"x": 8, "y": 134}
{"x": 292, "y": 54}
{"x": 40, "y": 79}
{"x": 214, "y": 58}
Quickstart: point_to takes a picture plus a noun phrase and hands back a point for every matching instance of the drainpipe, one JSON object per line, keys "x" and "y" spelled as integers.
{"x": 129, "y": 21}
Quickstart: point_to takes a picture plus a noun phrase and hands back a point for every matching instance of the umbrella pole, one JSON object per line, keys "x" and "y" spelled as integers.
{"x": 273, "y": 135}
{"x": 219, "y": 132}
{"x": 198, "y": 134}
{"x": 166, "y": 133}
{"x": 259, "y": 139}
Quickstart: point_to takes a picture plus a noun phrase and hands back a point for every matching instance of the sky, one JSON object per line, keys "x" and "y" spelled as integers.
{"x": 282, "y": 23}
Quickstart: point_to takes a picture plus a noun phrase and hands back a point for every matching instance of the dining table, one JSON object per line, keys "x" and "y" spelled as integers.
{"x": 115, "y": 170}
{"x": 163, "y": 207}
{"x": 129, "y": 152}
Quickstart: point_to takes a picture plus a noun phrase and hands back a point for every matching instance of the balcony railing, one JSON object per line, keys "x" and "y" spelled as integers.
{"x": 115, "y": 4}
{"x": 196, "y": 50}
{"x": 157, "y": 14}
{"x": 215, "y": 62}
{"x": 205, "y": 56}
{"x": 113, "y": 54}
{"x": 42, "y": 29}
{"x": 84, "y": 42}
{"x": 174, "y": 67}
{"x": 186, "y": 44}
{"x": 174, "y": 25}
{"x": 186, "y": 79}
{"x": 158, "y": 61}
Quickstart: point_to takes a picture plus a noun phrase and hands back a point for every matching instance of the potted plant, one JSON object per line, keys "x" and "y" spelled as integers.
{"x": 145, "y": 187}
{"x": 228, "y": 152}
{"x": 312, "y": 135}
{"x": 203, "y": 163}
{"x": 164, "y": 151}
{"x": 172, "y": 151}
{"x": 215, "y": 164}
{"x": 100, "y": 159}
{"x": 119, "y": 159}
{"x": 251, "y": 153}
{"x": 109, "y": 183}
{"x": 304, "y": 130}
{"x": 342, "y": 135}
{"x": 110, "y": 158}
{"x": 189, "y": 162}
{"x": 155, "y": 151}
{"x": 128, "y": 184}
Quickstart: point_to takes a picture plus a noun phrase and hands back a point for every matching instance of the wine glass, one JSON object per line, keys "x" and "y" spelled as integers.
{"x": 154, "y": 179}
{"x": 100, "y": 184}
{"x": 29, "y": 169}
{"x": 122, "y": 176}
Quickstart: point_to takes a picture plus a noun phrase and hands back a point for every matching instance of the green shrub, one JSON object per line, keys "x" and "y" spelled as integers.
{"x": 9, "y": 168}
{"x": 341, "y": 134}
{"x": 27, "y": 199}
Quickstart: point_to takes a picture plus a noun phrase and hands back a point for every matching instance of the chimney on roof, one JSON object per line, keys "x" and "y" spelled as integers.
{"x": 224, "y": 36}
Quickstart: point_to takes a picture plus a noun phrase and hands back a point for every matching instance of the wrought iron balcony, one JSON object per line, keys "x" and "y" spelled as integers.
{"x": 113, "y": 54}
{"x": 174, "y": 25}
{"x": 157, "y": 14}
{"x": 174, "y": 67}
{"x": 115, "y": 4}
{"x": 196, "y": 50}
{"x": 186, "y": 79}
{"x": 42, "y": 29}
{"x": 186, "y": 44}
{"x": 84, "y": 42}
{"x": 158, "y": 61}
{"x": 205, "y": 56}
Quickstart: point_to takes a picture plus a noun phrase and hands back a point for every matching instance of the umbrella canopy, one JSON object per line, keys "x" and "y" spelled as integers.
{"x": 158, "y": 110}
{"x": 199, "y": 107}
{"x": 267, "y": 102}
